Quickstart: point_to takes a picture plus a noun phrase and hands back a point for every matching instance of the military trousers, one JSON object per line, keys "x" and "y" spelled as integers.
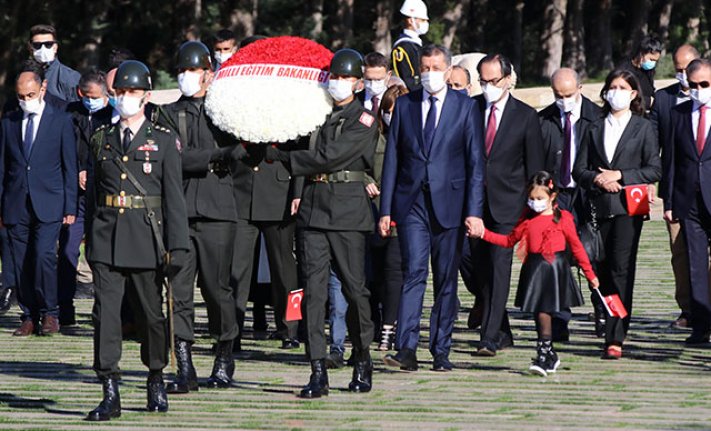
{"x": 145, "y": 292}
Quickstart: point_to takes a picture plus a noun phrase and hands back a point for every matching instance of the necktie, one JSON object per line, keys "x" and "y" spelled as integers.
{"x": 29, "y": 133}
{"x": 701, "y": 132}
{"x": 376, "y": 104}
{"x": 490, "y": 130}
{"x": 565, "y": 159}
{"x": 430, "y": 124}
{"x": 126, "y": 139}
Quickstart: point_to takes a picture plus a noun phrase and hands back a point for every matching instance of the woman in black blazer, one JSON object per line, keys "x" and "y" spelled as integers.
{"x": 618, "y": 150}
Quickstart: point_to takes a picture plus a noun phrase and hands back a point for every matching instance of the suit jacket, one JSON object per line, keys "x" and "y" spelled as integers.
{"x": 686, "y": 172}
{"x": 453, "y": 168}
{"x": 636, "y": 156}
{"x": 552, "y": 130}
{"x": 516, "y": 155}
{"x": 48, "y": 174}
{"x": 84, "y": 126}
{"x": 660, "y": 116}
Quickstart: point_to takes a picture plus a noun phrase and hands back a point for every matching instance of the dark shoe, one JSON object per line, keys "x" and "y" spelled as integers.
{"x": 362, "y": 380}
{"x": 612, "y": 352}
{"x": 697, "y": 337}
{"x": 157, "y": 397}
{"x": 318, "y": 382}
{"x": 538, "y": 365}
{"x": 186, "y": 378}
{"x": 486, "y": 348}
{"x": 50, "y": 325}
{"x": 476, "y": 315}
{"x": 5, "y": 300}
{"x": 25, "y": 330}
{"x": 334, "y": 360}
{"x": 441, "y": 363}
{"x": 682, "y": 322}
{"x": 67, "y": 321}
{"x": 552, "y": 360}
{"x": 387, "y": 338}
{"x": 223, "y": 368}
{"x": 406, "y": 359}
{"x": 110, "y": 406}
{"x": 290, "y": 344}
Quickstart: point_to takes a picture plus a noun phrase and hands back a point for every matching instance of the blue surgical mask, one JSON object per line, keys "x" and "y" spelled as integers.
{"x": 112, "y": 101}
{"x": 648, "y": 64}
{"x": 92, "y": 105}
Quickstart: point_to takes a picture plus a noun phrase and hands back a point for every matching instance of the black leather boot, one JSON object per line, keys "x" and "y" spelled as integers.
{"x": 5, "y": 300}
{"x": 110, "y": 406}
{"x": 362, "y": 373}
{"x": 318, "y": 383}
{"x": 224, "y": 366}
{"x": 157, "y": 397}
{"x": 186, "y": 377}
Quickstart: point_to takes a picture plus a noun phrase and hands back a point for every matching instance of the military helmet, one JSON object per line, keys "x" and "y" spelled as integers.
{"x": 133, "y": 74}
{"x": 347, "y": 62}
{"x": 193, "y": 55}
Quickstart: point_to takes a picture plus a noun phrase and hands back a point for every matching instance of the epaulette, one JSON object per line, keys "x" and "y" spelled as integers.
{"x": 100, "y": 128}
{"x": 161, "y": 128}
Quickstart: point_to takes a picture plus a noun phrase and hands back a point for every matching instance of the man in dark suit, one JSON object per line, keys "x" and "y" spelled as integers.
{"x": 563, "y": 125}
{"x": 514, "y": 152}
{"x": 38, "y": 188}
{"x": 432, "y": 182}
{"x": 664, "y": 100}
{"x": 687, "y": 172}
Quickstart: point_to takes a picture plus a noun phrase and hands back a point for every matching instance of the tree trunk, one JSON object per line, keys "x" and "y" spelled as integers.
{"x": 693, "y": 24}
{"x": 574, "y": 47}
{"x": 343, "y": 25}
{"x": 243, "y": 18}
{"x": 552, "y": 36}
{"x": 638, "y": 14}
{"x": 665, "y": 12}
{"x": 315, "y": 16}
{"x": 384, "y": 14}
{"x": 517, "y": 36}
{"x": 600, "y": 40}
{"x": 455, "y": 19}
{"x": 477, "y": 26}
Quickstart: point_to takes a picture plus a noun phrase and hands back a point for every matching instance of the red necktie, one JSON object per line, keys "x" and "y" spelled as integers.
{"x": 701, "y": 132}
{"x": 490, "y": 130}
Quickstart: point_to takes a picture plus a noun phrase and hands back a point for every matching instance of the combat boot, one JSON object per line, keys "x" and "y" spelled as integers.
{"x": 157, "y": 397}
{"x": 224, "y": 366}
{"x": 362, "y": 373}
{"x": 110, "y": 406}
{"x": 186, "y": 377}
{"x": 318, "y": 383}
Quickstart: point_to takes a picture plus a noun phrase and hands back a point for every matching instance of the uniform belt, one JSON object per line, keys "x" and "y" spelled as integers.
{"x": 131, "y": 202}
{"x": 339, "y": 177}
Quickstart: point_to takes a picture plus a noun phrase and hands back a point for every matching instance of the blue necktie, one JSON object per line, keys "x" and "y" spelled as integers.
{"x": 430, "y": 124}
{"x": 29, "y": 133}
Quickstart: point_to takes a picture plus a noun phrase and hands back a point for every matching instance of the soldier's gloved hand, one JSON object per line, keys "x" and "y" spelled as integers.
{"x": 277, "y": 155}
{"x": 221, "y": 154}
{"x": 178, "y": 260}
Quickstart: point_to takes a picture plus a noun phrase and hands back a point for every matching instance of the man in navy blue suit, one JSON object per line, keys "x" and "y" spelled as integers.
{"x": 38, "y": 191}
{"x": 432, "y": 187}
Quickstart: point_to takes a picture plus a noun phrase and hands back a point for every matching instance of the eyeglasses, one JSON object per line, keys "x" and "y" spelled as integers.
{"x": 702, "y": 84}
{"x": 491, "y": 81}
{"x": 38, "y": 45}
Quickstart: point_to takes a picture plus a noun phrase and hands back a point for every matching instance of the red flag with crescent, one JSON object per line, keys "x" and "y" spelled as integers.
{"x": 637, "y": 197}
{"x": 293, "y": 307}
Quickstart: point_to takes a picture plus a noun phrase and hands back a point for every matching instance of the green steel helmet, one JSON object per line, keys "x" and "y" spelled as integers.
{"x": 133, "y": 74}
{"x": 347, "y": 62}
{"x": 194, "y": 55}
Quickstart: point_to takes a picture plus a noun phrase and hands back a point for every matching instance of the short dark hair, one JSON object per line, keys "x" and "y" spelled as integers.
{"x": 93, "y": 77}
{"x": 32, "y": 65}
{"x": 42, "y": 29}
{"x": 466, "y": 72}
{"x": 503, "y": 61}
{"x": 376, "y": 59}
{"x": 118, "y": 56}
{"x": 637, "y": 105}
{"x": 223, "y": 35}
{"x": 649, "y": 44}
{"x": 697, "y": 64}
{"x": 433, "y": 49}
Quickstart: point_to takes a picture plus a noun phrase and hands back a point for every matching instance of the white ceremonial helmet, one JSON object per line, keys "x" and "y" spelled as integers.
{"x": 414, "y": 9}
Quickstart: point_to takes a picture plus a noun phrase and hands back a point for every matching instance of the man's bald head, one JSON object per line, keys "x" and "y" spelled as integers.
{"x": 565, "y": 82}
{"x": 684, "y": 55}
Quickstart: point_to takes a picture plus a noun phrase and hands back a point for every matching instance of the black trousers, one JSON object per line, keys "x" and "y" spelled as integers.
{"x": 697, "y": 232}
{"x": 620, "y": 234}
{"x": 210, "y": 258}
{"x": 279, "y": 242}
{"x": 386, "y": 278}
{"x": 146, "y": 296}
{"x": 344, "y": 251}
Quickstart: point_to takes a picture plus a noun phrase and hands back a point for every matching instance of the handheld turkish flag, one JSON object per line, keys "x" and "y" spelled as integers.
{"x": 613, "y": 304}
{"x": 637, "y": 197}
{"x": 293, "y": 309}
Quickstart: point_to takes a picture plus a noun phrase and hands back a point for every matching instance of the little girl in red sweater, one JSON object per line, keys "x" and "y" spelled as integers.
{"x": 546, "y": 283}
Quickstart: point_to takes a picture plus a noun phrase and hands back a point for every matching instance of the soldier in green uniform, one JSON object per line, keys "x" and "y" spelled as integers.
{"x": 334, "y": 220}
{"x": 136, "y": 215}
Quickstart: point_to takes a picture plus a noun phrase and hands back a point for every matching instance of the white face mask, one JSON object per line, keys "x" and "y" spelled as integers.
{"x": 433, "y": 82}
{"x": 681, "y": 77}
{"x": 31, "y": 106}
{"x": 538, "y": 205}
{"x": 619, "y": 99}
{"x": 702, "y": 96}
{"x": 189, "y": 83}
{"x": 422, "y": 28}
{"x": 340, "y": 89}
{"x": 566, "y": 104}
{"x": 387, "y": 117}
{"x": 128, "y": 106}
{"x": 222, "y": 57}
{"x": 44, "y": 55}
{"x": 492, "y": 93}
{"x": 376, "y": 87}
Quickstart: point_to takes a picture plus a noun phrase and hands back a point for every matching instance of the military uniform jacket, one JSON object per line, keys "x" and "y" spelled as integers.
{"x": 207, "y": 186}
{"x": 406, "y": 60}
{"x": 122, "y": 237}
{"x": 346, "y": 141}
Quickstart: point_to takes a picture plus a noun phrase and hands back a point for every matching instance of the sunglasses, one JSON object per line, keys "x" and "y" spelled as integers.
{"x": 703, "y": 84}
{"x": 494, "y": 81}
{"x": 38, "y": 45}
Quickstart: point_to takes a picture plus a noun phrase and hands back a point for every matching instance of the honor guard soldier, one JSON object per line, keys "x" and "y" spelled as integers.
{"x": 406, "y": 49}
{"x": 334, "y": 220}
{"x": 207, "y": 182}
{"x": 136, "y": 212}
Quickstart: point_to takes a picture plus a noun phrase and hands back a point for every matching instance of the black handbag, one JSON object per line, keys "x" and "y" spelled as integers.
{"x": 591, "y": 238}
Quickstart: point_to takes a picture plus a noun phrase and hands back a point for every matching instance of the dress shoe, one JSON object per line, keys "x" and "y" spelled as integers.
{"x": 26, "y": 329}
{"x": 362, "y": 380}
{"x": 290, "y": 344}
{"x": 318, "y": 382}
{"x": 186, "y": 377}
{"x": 5, "y": 300}
{"x": 486, "y": 348}
{"x": 334, "y": 360}
{"x": 223, "y": 367}
{"x": 441, "y": 363}
{"x": 406, "y": 359}
{"x": 697, "y": 337}
{"x": 157, "y": 397}
{"x": 682, "y": 322}
{"x": 476, "y": 315}
{"x": 612, "y": 352}
{"x": 110, "y": 406}
{"x": 50, "y": 325}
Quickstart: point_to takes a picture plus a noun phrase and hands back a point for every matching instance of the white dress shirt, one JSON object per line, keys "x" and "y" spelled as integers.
{"x": 574, "y": 141}
{"x": 500, "y": 105}
{"x": 426, "y": 105}
{"x": 614, "y": 128}
{"x": 38, "y": 117}
{"x": 695, "y": 114}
